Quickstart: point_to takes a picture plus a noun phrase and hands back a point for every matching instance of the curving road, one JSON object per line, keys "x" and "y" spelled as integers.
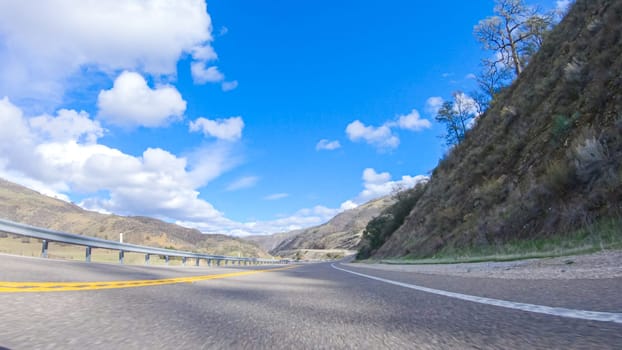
{"x": 313, "y": 306}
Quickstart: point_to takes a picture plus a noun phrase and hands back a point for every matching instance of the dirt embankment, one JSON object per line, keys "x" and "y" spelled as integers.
{"x": 606, "y": 264}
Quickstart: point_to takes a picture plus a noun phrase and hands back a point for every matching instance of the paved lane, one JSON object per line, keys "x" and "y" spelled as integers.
{"x": 307, "y": 307}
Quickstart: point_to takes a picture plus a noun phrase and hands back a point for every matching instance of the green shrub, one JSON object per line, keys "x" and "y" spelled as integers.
{"x": 380, "y": 228}
{"x": 562, "y": 125}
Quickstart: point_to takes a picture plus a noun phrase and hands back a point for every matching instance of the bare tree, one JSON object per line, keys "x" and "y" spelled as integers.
{"x": 493, "y": 77}
{"x": 513, "y": 33}
{"x": 457, "y": 116}
{"x": 447, "y": 116}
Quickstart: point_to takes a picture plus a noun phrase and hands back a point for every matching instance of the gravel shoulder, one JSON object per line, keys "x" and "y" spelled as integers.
{"x": 607, "y": 264}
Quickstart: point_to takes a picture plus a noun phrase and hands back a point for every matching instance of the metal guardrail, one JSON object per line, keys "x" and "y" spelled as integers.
{"x": 92, "y": 242}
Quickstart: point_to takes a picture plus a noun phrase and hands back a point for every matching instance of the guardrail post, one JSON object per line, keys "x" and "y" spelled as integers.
{"x": 88, "y": 254}
{"x": 197, "y": 262}
{"x": 147, "y": 256}
{"x": 183, "y": 260}
{"x": 121, "y": 255}
{"x": 218, "y": 262}
{"x": 44, "y": 248}
{"x": 166, "y": 258}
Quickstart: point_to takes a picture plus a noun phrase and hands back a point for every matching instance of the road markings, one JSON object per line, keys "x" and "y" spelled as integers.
{"x": 31, "y": 287}
{"x": 540, "y": 309}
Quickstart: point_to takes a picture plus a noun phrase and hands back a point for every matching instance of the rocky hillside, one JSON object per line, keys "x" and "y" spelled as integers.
{"x": 546, "y": 158}
{"x": 20, "y": 204}
{"x": 341, "y": 232}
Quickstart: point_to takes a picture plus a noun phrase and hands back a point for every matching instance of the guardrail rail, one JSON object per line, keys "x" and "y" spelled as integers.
{"x": 46, "y": 236}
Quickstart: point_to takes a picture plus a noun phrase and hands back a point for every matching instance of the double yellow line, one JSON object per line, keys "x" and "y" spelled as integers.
{"x": 30, "y": 287}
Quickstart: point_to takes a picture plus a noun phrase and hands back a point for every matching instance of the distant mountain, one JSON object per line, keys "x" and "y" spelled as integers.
{"x": 343, "y": 232}
{"x": 270, "y": 242}
{"x": 20, "y": 204}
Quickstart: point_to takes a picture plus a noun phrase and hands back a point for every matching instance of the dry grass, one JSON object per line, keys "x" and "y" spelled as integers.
{"x": 545, "y": 159}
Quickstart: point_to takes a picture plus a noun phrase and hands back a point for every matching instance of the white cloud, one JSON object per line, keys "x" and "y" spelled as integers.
{"x": 130, "y": 102}
{"x": 223, "y": 30}
{"x": 39, "y": 153}
{"x": 276, "y": 196}
{"x": 412, "y": 121}
{"x": 229, "y": 85}
{"x": 242, "y": 183}
{"x": 43, "y": 43}
{"x": 433, "y": 104}
{"x": 380, "y": 137}
{"x": 202, "y": 74}
{"x": 347, "y": 205}
{"x": 204, "y": 53}
{"x": 327, "y": 145}
{"x": 370, "y": 176}
{"x": 380, "y": 184}
{"x": 67, "y": 125}
{"x": 470, "y": 76}
{"x": 229, "y": 129}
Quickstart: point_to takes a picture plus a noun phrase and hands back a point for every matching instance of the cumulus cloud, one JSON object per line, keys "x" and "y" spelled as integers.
{"x": 148, "y": 36}
{"x": 204, "y": 53}
{"x": 433, "y": 104}
{"x": 229, "y": 85}
{"x": 54, "y": 156}
{"x": 327, "y": 145}
{"x": 67, "y": 125}
{"x": 59, "y": 154}
{"x": 202, "y": 74}
{"x": 276, "y": 196}
{"x": 242, "y": 183}
{"x": 229, "y": 129}
{"x": 380, "y": 137}
{"x": 376, "y": 184}
{"x": 412, "y": 121}
{"x": 347, "y": 205}
{"x": 131, "y": 102}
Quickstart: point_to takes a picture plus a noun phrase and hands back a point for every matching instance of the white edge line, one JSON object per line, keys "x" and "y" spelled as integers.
{"x": 541, "y": 309}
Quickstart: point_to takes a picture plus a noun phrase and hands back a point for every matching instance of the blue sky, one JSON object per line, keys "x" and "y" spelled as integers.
{"x": 239, "y": 117}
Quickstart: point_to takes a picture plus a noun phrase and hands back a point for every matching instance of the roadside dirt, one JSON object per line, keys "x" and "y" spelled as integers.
{"x": 600, "y": 265}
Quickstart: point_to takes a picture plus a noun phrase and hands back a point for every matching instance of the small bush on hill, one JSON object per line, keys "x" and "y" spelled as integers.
{"x": 380, "y": 228}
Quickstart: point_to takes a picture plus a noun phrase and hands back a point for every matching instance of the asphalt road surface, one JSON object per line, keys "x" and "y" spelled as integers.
{"x": 312, "y": 306}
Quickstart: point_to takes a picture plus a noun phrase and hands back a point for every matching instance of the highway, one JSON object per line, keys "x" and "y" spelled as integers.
{"x": 307, "y": 306}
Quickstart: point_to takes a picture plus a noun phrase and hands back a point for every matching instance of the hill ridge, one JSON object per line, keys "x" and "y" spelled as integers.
{"x": 544, "y": 159}
{"x": 24, "y": 205}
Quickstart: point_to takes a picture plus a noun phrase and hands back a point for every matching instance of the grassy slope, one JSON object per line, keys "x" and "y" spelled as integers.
{"x": 544, "y": 161}
{"x": 343, "y": 232}
{"x": 20, "y": 204}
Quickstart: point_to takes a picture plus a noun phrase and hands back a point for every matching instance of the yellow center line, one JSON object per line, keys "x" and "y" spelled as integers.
{"x": 29, "y": 287}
